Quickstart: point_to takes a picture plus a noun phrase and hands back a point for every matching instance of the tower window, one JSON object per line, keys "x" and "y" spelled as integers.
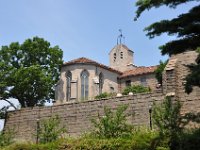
{"x": 121, "y": 55}
{"x": 84, "y": 85}
{"x": 115, "y": 56}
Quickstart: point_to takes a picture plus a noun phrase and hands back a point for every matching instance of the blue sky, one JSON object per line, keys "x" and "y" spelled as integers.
{"x": 86, "y": 28}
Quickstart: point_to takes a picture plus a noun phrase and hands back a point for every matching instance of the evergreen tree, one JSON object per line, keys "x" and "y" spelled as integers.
{"x": 185, "y": 26}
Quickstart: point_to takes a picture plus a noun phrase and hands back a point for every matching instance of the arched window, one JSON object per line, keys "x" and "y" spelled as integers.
{"x": 100, "y": 83}
{"x": 69, "y": 79}
{"x": 84, "y": 85}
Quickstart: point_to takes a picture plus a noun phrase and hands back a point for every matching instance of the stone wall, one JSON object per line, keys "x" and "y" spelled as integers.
{"x": 174, "y": 81}
{"x": 77, "y": 116}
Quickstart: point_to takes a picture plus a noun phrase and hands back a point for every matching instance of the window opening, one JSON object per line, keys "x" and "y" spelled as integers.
{"x": 84, "y": 85}
{"x": 100, "y": 83}
{"x": 121, "y": 55}
{"x": 128, "y": 83}
{"x": 143, "y": 81}
{"x": 69, "y": 79}
{"x": 115, "y": 56}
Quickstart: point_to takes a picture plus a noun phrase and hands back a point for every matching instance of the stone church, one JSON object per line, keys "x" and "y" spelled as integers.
{"x": 83, "y": 79}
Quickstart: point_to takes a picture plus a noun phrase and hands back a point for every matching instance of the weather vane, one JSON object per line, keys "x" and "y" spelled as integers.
{"x": 120, "y": 37}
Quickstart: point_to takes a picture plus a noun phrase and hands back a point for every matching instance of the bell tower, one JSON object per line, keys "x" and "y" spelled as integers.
{"x": 121, "y": 57}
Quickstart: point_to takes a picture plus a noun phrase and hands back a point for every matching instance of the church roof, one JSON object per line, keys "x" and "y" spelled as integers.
{"x": 84, "y": 60}
{"x": 138, "y": 71}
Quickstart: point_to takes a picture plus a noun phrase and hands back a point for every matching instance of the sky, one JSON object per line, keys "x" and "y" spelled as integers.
{"x": 85, "y": 28}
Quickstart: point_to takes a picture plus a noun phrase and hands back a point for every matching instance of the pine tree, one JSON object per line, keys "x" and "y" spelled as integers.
{"x": 185, "y": 26}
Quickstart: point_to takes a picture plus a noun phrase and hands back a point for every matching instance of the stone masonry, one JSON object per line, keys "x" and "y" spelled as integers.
{"x": 77, "y": 116}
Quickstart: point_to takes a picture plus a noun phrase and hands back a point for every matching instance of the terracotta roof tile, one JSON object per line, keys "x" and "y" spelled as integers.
{"x": 138, "y": 71}
{"x": 84, "y": 60}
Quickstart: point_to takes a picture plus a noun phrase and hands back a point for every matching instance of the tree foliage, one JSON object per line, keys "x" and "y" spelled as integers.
{"x": 105, "y": 95}
{"x": 112, "y": 124}
{"x": 50, "y": 130}
{"x": 159, "y": 71}
{"x": 29, "y": 71}
{"x": 6, "y": 138}
{"x": 136, "y": 89}
{"x": 169, "y": 121}
{"x": 186, "y": 27}
{"x": 173, "y": 125}
{"x": 193, "y": 79}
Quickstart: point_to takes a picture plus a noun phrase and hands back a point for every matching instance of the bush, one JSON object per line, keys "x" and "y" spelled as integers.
{"x": 30, "y": 146}
{"x": 6, "y": 138}
{"x": 136, "y": 89}
{"x": 168, "y": 120}
{"x": 141, "y": 140}
{"x": 112, "y": 124}
{"x": 50, "y": 130}
{"x": 105, "y": 95}
{"x": 190, "y": 140}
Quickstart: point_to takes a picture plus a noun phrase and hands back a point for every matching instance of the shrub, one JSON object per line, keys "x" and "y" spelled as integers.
{"x": 131, "y": 143}
{"x": 136, "y": 89}
{"x": 105, "y": 95}
{"x": 112, "y": 124}
{"x": 31, "y": 146}
{"x": 50, "y": 130}
{"x": 168, "y": 120}
{"x": 190, "y": 139}
{"x": 6, "y": 138}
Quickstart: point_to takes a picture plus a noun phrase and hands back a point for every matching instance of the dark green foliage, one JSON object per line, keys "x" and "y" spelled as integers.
{"x": 6, "y": 138}
{"x": 29, "y": 71}
{"x": 169, "y": 122}
{"x": 30, "y": 146}
{"x": 50, "y": 130}
{"x": 159, "y": 71}
{"x": 105, "y": 95}
{"x": 167, "y": 116}
{"x": 136, "y": 89}
{"x": 141, "y": 139}
{"x": 186, "y": 27}
{"x": 148, "y": 4}
{"x": 193, "y": 79}
{"x": 112, "y": 124}
{"x": 138, "y": 141}
{"x": 3, "y": 112}
{"x": 190, "y": 140}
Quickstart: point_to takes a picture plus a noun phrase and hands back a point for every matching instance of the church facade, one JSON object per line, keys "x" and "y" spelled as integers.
{"x": 82, "y": 78}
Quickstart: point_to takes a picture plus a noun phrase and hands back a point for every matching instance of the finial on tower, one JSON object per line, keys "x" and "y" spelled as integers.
{"x": 120, "y": 37}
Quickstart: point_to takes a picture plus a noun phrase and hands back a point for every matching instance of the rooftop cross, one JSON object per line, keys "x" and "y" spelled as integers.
{"x": 119, "y": 38}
